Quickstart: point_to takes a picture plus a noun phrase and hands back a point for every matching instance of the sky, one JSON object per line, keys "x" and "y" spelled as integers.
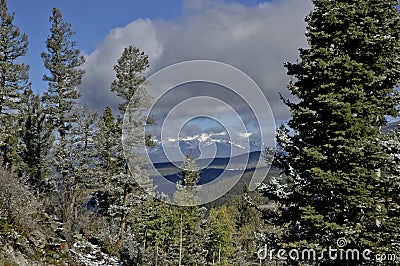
{"x": 254, "y": 36}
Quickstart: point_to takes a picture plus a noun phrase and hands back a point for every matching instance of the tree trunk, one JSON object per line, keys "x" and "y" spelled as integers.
{"x": 219, "y": 253}
{"x": 156, "y": 253}
{"x": 123, "y": 217}
{"x": 180, "y": 243}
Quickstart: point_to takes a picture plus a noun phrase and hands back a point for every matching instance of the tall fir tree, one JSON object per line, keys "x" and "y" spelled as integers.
{"x": 63, "y": 62}
{"x": 190, "y": 173}
{"x": 13, "y": 83}
{"x": 130, "y": 185}
{"x": 345, "y": 85}
{"x": 108, "y": 144}
{"x": 109, "y": 163}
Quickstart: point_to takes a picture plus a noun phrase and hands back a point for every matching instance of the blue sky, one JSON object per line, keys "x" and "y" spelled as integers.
{"x": 91, "y": 19}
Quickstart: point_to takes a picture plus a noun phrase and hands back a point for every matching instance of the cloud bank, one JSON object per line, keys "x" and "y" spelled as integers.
{"x": 256, "y": 40}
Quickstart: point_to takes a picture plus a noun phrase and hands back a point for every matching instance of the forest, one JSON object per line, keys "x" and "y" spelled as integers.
{"x": 69, "y": 195}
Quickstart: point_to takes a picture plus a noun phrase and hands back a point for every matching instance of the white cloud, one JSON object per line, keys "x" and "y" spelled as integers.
{"x": 99, "y": 64}
{"x": 257, "y": 40}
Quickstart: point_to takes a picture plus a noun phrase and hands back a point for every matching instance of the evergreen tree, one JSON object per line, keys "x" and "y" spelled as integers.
{"x": 120, "y": 202}
{"x": 188, "y": 216}
{"x": 36, "y": 141}
{"x": 63, "y": 62}
{"x": 108, "y": 143}
{"x": 80, "y": 158}
{"x": 221, "y": 226}
{"x": 249, "y": 224}
{"x": 345, "y": 83}
{"x": 109, "y": 162}
{"x": 186, "y": 190}
{"x": 13, "y": 83}
{"x": 190, "y": 172}
{"x": 129, "y": 85}
{"x": 130, "y": 185}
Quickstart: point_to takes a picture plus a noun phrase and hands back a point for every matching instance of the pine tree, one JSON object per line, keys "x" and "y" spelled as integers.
{"x": 63, "y": 62}
{"x": 221, "y": 226}
{"x": 130, "y": 76}
{"x": 249, "y": 225}
{"x": 13, "y": 83}
{"x": 186, "y": 194}
{"x": 129, "y": 85}
{"x": 345, "y": 84}
{"x": 131, "y": 187}
{"x": 36, "y": 139}
{"x": 108, "y": 143}
{"x": 190, "y": 172}
{"x": 109, "y": 163}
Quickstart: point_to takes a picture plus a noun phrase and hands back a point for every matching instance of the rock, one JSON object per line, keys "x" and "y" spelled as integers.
{"x": 37, "y": 238}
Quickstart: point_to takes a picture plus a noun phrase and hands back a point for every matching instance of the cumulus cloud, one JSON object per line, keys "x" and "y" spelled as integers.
{"x": 256, "y": 40}
{"x": 99, "y": 75}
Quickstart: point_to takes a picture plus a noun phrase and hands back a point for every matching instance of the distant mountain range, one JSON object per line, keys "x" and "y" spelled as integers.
{"x": 205, "y": 146}
{"x": 251, "y": 159}
{"x": 214, "y": 148}
{"x": 239, "y": 165}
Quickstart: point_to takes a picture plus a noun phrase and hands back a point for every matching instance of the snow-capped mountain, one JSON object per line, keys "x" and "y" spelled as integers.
{"x": 205, "y": 145}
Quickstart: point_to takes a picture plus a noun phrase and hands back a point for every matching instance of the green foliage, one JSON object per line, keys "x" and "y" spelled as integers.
{"x": 13, "y": 75}
{"x": 221, "y": 225}
{"x": 36, "y": 141}
{"x": 13, "y": 83}
{"x": 129, "y": 75}
{"x": 186, "y": 194}
{"x": 79, "y": 161}
{"x": 190, "y": 172}
{"x": 82, "y": 153}
{"x": 249, "y": 227}
{"x": 63, "y": 62}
